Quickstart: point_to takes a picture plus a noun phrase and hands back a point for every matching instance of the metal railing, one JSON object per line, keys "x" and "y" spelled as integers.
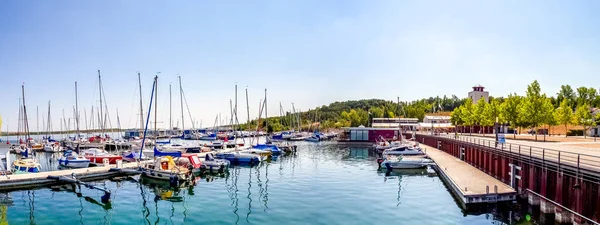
{"x": 579, "y": 164}
{"x": 562, "y": 207}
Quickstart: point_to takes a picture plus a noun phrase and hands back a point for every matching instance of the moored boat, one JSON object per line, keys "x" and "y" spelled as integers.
{"x": 239, "y": 158}
{"x": 52, "y": 147}
{"x": 73, "y": 160}
{"x": 96, "y": 155}
{"x": 25, "y": 165}
{"x": 164, "y": 168}
{"x": 403, "y": 150}
{"x": 404, "y": 162}
{"x": 211, "y": 165}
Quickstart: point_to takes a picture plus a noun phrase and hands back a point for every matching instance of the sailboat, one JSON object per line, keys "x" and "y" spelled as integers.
{"x": 72, "y": 158}
{"x": 163, "y": 167}
{"x": 25, "y": 164}
{"x": 97, "y": 155}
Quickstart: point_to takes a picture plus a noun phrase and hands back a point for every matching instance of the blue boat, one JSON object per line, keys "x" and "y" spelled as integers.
{"x": 268, "y": 147}
{"x": 209, "y": 137}
{"x": 239, "y": 158}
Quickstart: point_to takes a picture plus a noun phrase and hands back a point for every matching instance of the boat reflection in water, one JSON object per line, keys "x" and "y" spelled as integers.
{"x": 163, "y": 190}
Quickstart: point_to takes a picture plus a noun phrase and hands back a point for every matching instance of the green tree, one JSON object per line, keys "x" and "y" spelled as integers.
{"x": 535, "y": 110}
{"x": 564, "y": 115}
{"x": 479, "y": 114}
{"x": 467, "y": 115}
{"x": 583, "y": 96}
{"x": 509, "y": 110}
{"x": 390, "y": 114}
{"x": 376, "y": 112}
{"x": 583, "y": 117}
{"x": 456, "y": 117}
{"x": 566, "y": 93}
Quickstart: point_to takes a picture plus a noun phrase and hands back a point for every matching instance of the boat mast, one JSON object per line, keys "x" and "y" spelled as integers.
{"x": 170, "y": 113}
{"x": 247, "y": 108}
{"x": 37, "y": 120}
{"x": 100, "y": 94}
{"x": 48, "y": 128}
{"x": 155, "y": 108}
{"x": 266, "y": 115}
{"x": 76, "y": 111}
{"x": 26, "y": 127}
{"x": 141, "y": 107}
{"x": 181, "y": 103}
{"x": 148, "y": 118}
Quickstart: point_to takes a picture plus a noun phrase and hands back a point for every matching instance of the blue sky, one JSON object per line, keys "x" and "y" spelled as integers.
{"x": 307, "y": 52}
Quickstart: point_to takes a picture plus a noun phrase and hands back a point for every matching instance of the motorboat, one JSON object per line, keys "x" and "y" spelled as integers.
{"x": 239, "y": 158}
{"x": 209, "y": 137}
{"x": 298, "y": 138}
{"x": 37, "y": 147}
{"x": 96, "y": 155}
{"x": 73, "y": 160}
{"x": 274, "y": 149}
{"x": 405, "y": 162}
{"x": 403, "y": 150}
{"x": 25, "y": 165}
{"x": 313, "y": 139}
{"x": 52, "y": 147}
{"x": 190, "y": 161}
{"x": 218, "y": 144}
{"x": 133, "y": 155}
{"x": 264, "y": 154}
{"x": 165, "y": 168}
{"x": 286, "y": 147}
{"x": 212, "y": 165}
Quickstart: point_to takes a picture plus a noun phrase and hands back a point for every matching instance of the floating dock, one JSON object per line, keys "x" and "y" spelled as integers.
{"x": 469, "y": 184}
{"x": 33, "y": 180}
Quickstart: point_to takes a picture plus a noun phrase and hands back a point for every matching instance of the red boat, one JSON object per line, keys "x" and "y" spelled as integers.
{"x": 96, "y": 155}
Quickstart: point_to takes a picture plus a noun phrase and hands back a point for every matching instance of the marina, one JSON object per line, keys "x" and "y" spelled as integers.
{"x": 262, "y": 194}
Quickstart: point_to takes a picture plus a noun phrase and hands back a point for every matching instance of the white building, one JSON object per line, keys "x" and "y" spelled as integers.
{"x": 436, "y": 122}
{"x": 410, "y": 123}
{"x": 479, "y": 93}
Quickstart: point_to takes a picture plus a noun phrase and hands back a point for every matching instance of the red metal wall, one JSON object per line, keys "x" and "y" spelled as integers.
{"x": 559, "y": 185}
{"x": 387, "y": 134}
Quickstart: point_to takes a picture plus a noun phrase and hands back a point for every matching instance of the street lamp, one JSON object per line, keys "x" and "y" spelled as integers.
{"x": 496, "y": 130}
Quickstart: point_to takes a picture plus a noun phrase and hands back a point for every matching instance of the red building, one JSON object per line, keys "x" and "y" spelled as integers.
{"x": 369, "y": 134}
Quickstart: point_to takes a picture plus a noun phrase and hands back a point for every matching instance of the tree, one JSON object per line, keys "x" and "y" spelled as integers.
{"x": 582, "y": 96}
{"x": 480, "y": 116}
{"x": 390, "y": 114}
{"x": 467, "y": 115}
{"x": 564, "y": 115}
{"x": 566, "y": 93}
{"x": 456, "y": 116}
{"x": 509, "y": 110}
{"x": 583, "y": 117}
{"x": 376, "y": 112}
{"x": 535, "y": 110}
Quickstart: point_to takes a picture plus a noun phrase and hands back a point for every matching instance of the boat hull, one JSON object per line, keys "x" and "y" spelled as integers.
{"x": 100, "y": 159}
{"x": 74, "y": 163}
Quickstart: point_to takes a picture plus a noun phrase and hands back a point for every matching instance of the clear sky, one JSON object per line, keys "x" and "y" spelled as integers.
{"x": 310, "y": 52}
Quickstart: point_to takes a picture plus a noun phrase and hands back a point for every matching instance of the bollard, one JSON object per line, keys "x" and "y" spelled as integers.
{"x": 106, "y": 162}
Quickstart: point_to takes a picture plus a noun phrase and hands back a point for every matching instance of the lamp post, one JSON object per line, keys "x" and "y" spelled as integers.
{"x": 496, "y": 130}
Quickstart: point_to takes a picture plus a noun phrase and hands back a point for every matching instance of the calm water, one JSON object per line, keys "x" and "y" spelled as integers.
{"x": 322, "y": 184}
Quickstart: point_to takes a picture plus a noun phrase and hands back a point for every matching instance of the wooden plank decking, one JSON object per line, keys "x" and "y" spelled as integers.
{"x": 468, "y": 183}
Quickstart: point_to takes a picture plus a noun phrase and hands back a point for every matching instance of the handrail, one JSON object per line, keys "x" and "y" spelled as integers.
{"x": 561, "y": 155}
{"x": 565, "y": 208}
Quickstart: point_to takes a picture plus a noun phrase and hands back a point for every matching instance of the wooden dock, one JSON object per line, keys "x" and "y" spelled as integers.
{"x": 33, "y": 180}
{"x": 469, "y": 184}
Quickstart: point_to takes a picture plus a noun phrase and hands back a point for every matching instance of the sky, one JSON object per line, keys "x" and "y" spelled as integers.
{"x": 306, "y": 52}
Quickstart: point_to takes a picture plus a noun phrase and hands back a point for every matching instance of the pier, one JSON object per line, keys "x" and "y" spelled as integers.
{"x": 467, "y": 183}
{"x": 33, "y": 180}
{"x": 564, "y": 183}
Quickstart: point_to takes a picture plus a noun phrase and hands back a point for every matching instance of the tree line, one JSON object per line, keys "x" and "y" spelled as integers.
{"x": 533, "y": 110}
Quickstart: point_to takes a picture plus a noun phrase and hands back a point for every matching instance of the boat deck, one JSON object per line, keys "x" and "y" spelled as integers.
{"x": 468, "y": 183}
